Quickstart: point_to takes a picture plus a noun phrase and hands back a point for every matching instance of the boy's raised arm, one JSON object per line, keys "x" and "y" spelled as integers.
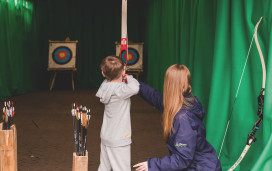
{"x": 129, "y": 89}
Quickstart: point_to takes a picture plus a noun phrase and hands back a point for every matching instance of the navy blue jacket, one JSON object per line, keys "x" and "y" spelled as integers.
{"x": 189, "y": 150}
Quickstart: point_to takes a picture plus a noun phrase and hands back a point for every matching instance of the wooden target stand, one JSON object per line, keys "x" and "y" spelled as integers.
{"x": 8, "y": 149}
{"x": 70, "y": 67}
{"x": 56, "y": 70}
{"x": 134, "y": 72}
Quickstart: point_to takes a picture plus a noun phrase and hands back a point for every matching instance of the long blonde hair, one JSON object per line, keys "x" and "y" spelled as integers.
{"x": 177, "y": 83}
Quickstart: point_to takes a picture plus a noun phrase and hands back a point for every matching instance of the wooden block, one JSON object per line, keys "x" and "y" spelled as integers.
{"x": 8, "y": 149}
{"x": 80, "y": 163}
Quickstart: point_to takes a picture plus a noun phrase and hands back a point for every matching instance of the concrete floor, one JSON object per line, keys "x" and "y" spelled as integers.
{"x": 45, "y": 130}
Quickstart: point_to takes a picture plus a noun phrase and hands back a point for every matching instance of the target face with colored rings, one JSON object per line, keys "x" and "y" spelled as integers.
{"x": 62, "y": 55}
{"x": 132, "y": 57}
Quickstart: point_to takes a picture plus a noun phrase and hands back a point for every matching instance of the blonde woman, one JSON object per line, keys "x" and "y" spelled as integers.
{"x": 183, "y": 129}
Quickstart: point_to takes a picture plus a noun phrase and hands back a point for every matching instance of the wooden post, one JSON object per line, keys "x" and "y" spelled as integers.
{"x": 55, "y": 70}
{"x": 8, "y": 149}
{"x": 80, "y": 163}
{"x": 135, "y": 72}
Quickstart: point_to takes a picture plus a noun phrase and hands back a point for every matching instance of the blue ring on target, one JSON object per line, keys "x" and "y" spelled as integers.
{"x": 133, "y": 54}
{"x": 58, "y": 53}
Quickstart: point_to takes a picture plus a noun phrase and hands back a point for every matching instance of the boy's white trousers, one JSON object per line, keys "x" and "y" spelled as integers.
{"x": 115, "y": 158}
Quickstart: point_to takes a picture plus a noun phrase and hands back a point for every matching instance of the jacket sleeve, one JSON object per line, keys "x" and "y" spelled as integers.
{"x": 129, "y": 89}
{"x": 151, "y": 96}
{"x": 181, "y": 145}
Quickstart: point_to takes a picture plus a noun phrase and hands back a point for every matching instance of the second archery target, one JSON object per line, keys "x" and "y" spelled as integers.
{"x": 62, "y": 55}
{"x": 131, "y": 58}
{"x": 134, "y": 57}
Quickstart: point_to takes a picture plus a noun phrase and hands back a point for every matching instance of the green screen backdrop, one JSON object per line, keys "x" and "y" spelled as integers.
{"x": 212, "y": 38}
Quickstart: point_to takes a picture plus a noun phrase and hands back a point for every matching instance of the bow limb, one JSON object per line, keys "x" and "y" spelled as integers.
{"x": 261, "y": 54}
{"x": 240, "y": 158}
{"x": 124, "y": 37}
{"x": 251, "y": 137}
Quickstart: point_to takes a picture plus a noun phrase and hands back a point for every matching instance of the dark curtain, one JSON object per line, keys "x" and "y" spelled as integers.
{"x": 95, "y": 24}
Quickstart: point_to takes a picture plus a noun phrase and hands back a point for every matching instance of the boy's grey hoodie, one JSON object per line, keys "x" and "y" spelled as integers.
{"x": 116, "y": 127}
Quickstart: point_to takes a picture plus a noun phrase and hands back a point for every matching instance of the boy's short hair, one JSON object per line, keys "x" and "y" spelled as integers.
{"x": 112, "y": 67}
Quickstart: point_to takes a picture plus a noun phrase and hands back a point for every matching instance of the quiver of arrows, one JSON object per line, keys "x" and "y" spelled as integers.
{"x": 8, "y": 113}
{"x": 81, "y": 117}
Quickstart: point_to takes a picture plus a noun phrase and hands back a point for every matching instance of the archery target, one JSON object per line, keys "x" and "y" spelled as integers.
{"x": 134, "y": 57}
{"x": 131, "y": 58}
{"x": 62, "y": 55}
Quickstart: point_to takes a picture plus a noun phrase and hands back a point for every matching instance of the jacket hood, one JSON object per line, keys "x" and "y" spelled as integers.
{"x": 197, "y": 109}
{"x": 106, "y": 90}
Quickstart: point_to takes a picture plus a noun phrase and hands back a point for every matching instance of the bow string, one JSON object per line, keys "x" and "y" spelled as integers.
{"x": 251, "y": 136}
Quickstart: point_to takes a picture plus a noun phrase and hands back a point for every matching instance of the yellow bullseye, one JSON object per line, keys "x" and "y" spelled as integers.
{"x": 129, "y": 57}
{"x": 62, "y": 55}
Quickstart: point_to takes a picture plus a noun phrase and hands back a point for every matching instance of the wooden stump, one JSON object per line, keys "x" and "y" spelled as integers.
{"x": 80, "y": 163}
{"x": 8, "y": 149}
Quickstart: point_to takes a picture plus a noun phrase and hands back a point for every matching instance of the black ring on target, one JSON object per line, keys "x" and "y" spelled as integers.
{"x": 133, "y": 56}
{"x": 62, "y": 55}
